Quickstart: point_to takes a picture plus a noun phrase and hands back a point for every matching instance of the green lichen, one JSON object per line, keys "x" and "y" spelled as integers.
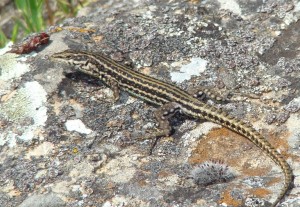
{"x": 11, "y": 66}
{"x": 17, "y": 107}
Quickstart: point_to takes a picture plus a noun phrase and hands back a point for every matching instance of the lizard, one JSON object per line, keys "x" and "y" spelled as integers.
{"x": 170, "y": 99}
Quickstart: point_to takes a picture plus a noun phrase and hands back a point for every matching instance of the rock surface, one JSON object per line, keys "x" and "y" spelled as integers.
{"x": 64, "y": 142}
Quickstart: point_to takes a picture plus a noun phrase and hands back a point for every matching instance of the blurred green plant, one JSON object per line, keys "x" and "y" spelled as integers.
{"x": 32, "y": 17}
{"x": 69, "y": 8}
{"x": 3, "y": 39}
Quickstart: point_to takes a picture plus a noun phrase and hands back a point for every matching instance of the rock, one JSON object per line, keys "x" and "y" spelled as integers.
{"x": 65, "y": 142}
{"x": 47, "y": 200}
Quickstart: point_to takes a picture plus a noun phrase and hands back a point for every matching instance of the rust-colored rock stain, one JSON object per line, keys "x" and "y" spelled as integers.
{"x": 229, "y": 200}
{"x": 235, "y": 150}
{"x": 238, "y": 153}
{"x": 232, "y": 148}
{"x": 281, "y": 144}
{"x": 163, "y": 174}
{"x": 260, "y": 192}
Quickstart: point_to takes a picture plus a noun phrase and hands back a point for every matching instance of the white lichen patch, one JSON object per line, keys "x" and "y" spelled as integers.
{"x": 297, "y": 7}
{"x": 202, "y": 129}
{"x": 195, "y": 67}
{"x": 26, "y": 105}
{"x": 78, "y": 126}
{"x": 294, "y": 129}
{"x": 120, "y": 170}
{"x": 117, "y": 201}
{"x": 6, "y": 48}
{"x": 12, "y": 66}
{"x": 171, "y": 180}
{"x": 41, "y": 150}
{"x": 230, "y": 5}
{"x": 62, "y": 188}
{"x": 81, "y": 169}
{"x": 8, "y": 137}
{"x": 26, "y": 102}
{"x": 289, "y": 19}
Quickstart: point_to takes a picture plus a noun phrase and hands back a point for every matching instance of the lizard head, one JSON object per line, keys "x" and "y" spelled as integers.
{"x": 68, "y": 56}
{"x": 71, "y": 57}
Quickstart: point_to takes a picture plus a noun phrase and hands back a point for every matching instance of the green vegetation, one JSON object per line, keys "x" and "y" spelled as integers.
{"x": 31, "y": 16}
{"x": 36, "y": 15}
{"x": 3, "y": 39}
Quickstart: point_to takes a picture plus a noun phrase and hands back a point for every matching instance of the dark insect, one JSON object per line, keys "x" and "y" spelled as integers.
{"x": 30, "y": 43}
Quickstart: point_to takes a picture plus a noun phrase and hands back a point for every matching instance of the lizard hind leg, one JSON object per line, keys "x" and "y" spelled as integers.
{"x": 162, "y": 115}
